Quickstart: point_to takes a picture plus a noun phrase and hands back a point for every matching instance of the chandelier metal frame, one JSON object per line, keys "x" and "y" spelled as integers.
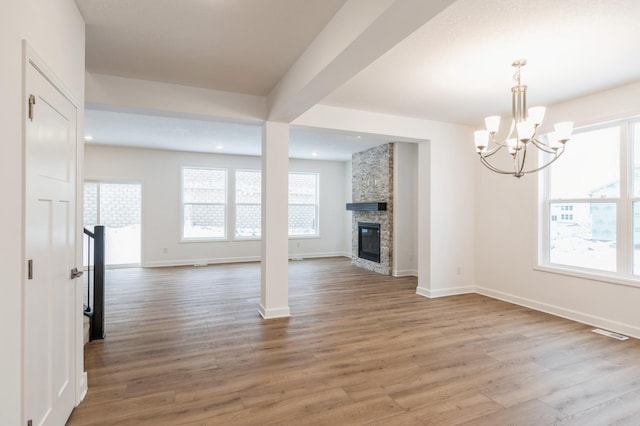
{"x": 522, "y": 133}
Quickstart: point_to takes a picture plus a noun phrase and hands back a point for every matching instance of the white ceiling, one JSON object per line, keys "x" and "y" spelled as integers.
{"x": 242, "y": 46}
{"x": 140, "y": 130}
{"x": 456, "y": 68}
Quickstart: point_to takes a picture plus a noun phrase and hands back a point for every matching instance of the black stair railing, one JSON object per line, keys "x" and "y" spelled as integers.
{"x": 94, "y": 308}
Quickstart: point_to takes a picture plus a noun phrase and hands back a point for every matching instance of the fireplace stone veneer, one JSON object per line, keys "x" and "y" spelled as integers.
{"x": 372, "y": 182}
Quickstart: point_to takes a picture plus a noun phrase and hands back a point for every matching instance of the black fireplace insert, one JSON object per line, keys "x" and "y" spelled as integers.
{"x": 369, "y": 241}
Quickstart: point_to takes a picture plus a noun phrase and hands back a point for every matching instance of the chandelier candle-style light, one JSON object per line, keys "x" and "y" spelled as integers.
{"x": 522, "y": 135}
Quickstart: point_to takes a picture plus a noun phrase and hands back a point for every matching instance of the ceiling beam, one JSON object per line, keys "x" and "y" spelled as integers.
{"x": 359, "y": 33}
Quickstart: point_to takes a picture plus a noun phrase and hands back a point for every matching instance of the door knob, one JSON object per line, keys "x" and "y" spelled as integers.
{"x": 75, "y": 273}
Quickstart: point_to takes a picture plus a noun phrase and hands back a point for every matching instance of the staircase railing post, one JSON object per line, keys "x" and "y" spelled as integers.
{"x": 97, "y": 319}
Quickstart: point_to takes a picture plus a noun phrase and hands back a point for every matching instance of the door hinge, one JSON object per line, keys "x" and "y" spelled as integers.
{"x": 30, "y": 269}
{"x": 32, "y": 102}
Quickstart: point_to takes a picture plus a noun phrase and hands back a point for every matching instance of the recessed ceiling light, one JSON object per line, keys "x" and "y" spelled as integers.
{"x": 314, "y": 154}
{"x": 219, "y": 146}
{"x": 88, "y": 138}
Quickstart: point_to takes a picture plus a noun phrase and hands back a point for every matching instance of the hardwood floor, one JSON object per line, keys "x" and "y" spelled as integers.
{"x": 186, "y": 346}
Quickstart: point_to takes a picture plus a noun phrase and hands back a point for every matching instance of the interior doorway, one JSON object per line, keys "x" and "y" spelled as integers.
{"x": 117, "y": 206}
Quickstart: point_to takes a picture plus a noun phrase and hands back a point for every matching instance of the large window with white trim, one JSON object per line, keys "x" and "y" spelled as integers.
{"x": 204, "y": 203}
{"x": 303, "y": 204}
{"x": 248, "y": 218}
{"x": 591, "y": 202}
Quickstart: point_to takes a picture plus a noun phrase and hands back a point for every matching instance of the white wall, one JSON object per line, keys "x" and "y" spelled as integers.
{"x": 453, "y": 209}
{"x": 506, "y": 236}
{"x": 405, "y": 209}
{"x": 55, "y": 30}
{"x": 159, "y": 172}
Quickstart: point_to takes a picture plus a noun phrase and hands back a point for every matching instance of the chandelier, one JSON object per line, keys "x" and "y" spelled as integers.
{"x": 522, "y": 134}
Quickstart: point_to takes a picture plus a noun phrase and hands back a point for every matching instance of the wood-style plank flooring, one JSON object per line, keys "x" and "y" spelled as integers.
{"x": 186, "y": 346}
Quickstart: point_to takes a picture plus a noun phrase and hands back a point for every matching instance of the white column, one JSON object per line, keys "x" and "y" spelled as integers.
{"x": 274, "y": 295}
{"x": 424, "y": 219}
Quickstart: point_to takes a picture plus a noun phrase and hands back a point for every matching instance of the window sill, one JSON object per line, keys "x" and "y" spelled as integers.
{"x": 600, "y": 276}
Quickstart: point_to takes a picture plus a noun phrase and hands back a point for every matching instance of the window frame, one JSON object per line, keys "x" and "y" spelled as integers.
{"x": 624, "y": 274}
{"x": 225, "y": 205}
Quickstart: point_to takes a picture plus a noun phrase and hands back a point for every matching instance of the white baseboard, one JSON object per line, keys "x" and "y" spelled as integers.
{"x": 84, "y": 387}
{"x": 282, "y": 312}
{"x": 432, "y": 294}
{"x": 592, "y": 320}
{"x": 200, "y": 262}
{"x": 404, "y": 273}
{"x": 298, "y": 256}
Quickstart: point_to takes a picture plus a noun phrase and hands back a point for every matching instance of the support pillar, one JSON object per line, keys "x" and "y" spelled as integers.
{"x": 274, "y": 294}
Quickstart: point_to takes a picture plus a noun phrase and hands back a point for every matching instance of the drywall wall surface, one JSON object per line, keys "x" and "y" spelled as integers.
{"x": 160, "y": 174}
{"x": 55, "y": 30}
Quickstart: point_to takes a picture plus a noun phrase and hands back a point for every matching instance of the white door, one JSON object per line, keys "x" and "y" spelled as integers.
{"x": 50, "y": 217}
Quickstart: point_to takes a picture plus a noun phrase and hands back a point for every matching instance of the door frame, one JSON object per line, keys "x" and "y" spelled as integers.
{"x": 32, "y": 59}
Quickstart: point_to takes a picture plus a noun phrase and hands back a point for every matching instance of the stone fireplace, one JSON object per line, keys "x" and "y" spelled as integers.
{"x": 372, "y": 197}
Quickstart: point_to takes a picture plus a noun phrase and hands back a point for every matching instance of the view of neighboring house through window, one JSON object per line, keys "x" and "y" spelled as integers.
{"x": 592, "y": 201}
{"x": 116, "y": 206}
{"x": 204, "y": 203}
{"x": 248, "y": 219}
{"x": 303, "y": 204}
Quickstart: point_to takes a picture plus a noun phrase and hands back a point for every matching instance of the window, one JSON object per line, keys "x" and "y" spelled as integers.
{"x": 204, "y": 199}
{"x": 204, "y": 203}
{"x": 248, "y": 203}
{"x": 591, "y": 212}
{"x": 117, "y": 206}
{"x": 303, "y": 204}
